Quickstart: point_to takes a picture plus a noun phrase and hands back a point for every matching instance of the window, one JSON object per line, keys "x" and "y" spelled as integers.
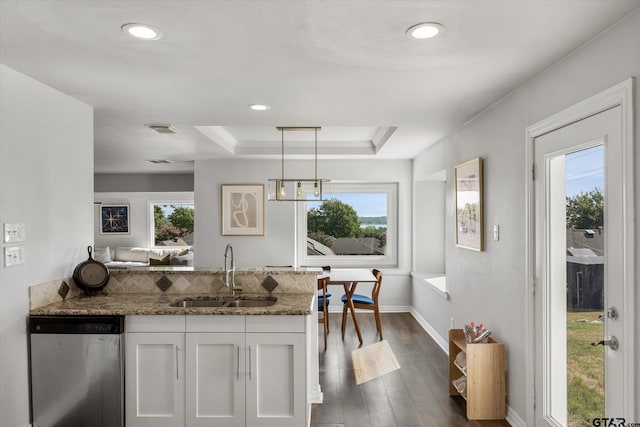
{"x": 172, "y": 223}
{"x": 355, "y": 225}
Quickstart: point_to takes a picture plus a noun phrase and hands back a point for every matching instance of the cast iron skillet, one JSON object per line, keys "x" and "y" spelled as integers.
{"x": 91, "y": 276}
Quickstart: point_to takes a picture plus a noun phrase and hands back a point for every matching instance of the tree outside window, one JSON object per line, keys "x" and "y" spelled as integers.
{"x": 585, "y": 210}
{"x": 173, "y": 224}
{"x": 347, "y": 225}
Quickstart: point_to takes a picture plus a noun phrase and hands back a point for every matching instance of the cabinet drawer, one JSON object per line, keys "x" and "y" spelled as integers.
{"x": 275, "y": 323}
{"x": 154, "y": 323}
{"x": 217, "y": 323}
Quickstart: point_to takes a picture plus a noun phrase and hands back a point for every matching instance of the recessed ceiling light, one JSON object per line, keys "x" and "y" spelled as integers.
{"x": 260, "y": 107}
{"x": 425, "y": 30}
{"x": 141, "y": 31}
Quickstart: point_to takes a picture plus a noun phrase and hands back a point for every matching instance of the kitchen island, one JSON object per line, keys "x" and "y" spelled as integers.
{"x": 192, "y": 366}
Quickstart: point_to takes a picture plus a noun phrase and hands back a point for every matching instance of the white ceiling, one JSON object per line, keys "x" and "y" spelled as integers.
{"x": 344, "y": 65}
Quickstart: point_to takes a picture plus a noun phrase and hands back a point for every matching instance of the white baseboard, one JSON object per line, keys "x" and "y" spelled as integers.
{"x": 443, "y": 343}
{"x": 514, "y": 419}
{"x": 383, "y": 309}
{"x": 394, "y": 309}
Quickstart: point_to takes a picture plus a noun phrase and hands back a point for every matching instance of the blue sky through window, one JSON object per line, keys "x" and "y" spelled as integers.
{"x": 585, "y": 170}
{"x": 168, "y": 209}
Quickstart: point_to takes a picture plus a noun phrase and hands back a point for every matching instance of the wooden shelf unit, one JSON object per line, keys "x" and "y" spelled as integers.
{"x": 485, "y": 390}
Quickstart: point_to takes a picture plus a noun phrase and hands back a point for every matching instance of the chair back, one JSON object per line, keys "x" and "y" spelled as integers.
{"x": 322, "y": 286}
{"x": 376, "y": 285}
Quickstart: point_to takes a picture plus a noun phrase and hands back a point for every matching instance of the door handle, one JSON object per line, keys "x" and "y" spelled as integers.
{"x": 612, "y": 342}
{"x": 238, "y": 363}
{"x": 249, "y": 363}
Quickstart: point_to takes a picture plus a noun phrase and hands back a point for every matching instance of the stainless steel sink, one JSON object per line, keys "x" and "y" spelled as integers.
{"x": 252, "y": 302}
{"x": 238, "y": 301}
{"x": 187, "y": 302}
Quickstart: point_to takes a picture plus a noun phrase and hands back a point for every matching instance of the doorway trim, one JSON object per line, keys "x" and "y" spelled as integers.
{"x": 622, "y": 95}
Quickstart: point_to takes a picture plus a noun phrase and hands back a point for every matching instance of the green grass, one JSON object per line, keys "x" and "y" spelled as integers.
{"x": 585, "y": 369}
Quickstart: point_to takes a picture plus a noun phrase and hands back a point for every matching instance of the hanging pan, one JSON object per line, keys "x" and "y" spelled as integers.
{"x": 91, "y": 275}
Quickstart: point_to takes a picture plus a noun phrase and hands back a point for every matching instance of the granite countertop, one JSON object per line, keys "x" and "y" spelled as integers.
{"x": 152, "y": 304}
{"x": 172, "y": 269}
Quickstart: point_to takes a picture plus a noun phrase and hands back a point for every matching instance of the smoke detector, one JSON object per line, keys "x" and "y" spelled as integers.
{"x": 163, "y": 128}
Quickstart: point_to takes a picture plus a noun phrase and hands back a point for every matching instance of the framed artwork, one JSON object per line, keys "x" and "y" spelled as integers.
{"x": 242, "y": 209}
{"x": 469, "y": 209}
{"x": 114, "y": 219}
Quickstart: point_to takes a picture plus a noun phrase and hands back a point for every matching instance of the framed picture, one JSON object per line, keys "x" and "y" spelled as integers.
{"x": 114, "y": 219}
{"x": 242, "y": 209}
{"x": 469, "y": 214}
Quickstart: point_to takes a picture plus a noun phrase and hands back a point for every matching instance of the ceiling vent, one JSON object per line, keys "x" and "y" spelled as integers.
{"x": 163, "y": 128}
{"x": 158, "y": 161}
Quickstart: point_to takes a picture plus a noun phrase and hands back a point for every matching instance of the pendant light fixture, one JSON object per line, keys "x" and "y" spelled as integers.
{"x": 297, "y": 189}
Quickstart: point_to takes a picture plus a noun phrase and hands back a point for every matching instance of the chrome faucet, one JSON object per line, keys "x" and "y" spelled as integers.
{"x": 230, "y": 271}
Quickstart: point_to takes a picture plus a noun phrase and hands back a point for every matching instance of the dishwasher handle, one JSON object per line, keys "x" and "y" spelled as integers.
{"x": 76, "y": 324}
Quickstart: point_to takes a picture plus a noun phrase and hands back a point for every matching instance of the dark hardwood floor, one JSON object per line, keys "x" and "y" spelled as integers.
{"x": 414, "y": 395}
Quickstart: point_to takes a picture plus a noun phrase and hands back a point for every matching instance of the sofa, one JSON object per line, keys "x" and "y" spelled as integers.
{"x": 123, "y": 257}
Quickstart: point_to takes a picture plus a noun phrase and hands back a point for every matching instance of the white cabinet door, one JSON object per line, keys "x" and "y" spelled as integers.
{"x": 276, "y": 379}
{"x": 154, "y": 368}
{"x": 215, "y": 379}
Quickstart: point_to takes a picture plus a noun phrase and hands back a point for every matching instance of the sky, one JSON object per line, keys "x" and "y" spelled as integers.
{"x": 168, "y": 210}
{"x": 365, "y": 204}
{"x": 585, "y": 170}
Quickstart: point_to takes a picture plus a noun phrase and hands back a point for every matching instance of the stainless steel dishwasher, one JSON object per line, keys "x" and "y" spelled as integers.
{"x": 77, "y": 371}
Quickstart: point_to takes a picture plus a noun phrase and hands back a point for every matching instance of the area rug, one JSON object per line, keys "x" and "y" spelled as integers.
{"x": 373, "y": 361}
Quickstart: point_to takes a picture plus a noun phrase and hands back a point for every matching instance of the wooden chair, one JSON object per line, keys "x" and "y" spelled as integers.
{"x": 365, "y": 303}
{"x": 323, "y": 306}
{"x": 325, "y": 294}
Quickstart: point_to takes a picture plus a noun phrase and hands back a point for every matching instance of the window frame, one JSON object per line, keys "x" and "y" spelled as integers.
{"x": 389, "y": 259}
{"x": 151, "y": 217}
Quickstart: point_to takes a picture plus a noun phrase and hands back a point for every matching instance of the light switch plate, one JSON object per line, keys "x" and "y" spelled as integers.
{"x": 14, "y": 232}
{"x": 496, "y": 232}
{"x": 13, "y": 255}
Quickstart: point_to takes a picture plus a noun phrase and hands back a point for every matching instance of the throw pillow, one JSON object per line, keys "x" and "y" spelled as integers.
{"x": 102, "y": 254}
{"x": 183, "y": 252}
{"x": 161, "y": 261}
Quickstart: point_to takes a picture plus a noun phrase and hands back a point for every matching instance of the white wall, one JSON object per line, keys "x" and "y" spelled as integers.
{"x": 489, "y": 286}
{"x": 277, "y": 247}
{"x": 139, "y": 216}
{"x": 429, "y": 223}
{"x": 46, "y": 182}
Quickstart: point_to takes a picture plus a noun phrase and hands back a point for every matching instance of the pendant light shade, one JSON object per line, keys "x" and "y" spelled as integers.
{"x": 297, "y": 189}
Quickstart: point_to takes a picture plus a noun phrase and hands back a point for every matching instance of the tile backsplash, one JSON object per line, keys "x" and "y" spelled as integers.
{"x": 50, "y": 292}
{"x": 176, "y": 282}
